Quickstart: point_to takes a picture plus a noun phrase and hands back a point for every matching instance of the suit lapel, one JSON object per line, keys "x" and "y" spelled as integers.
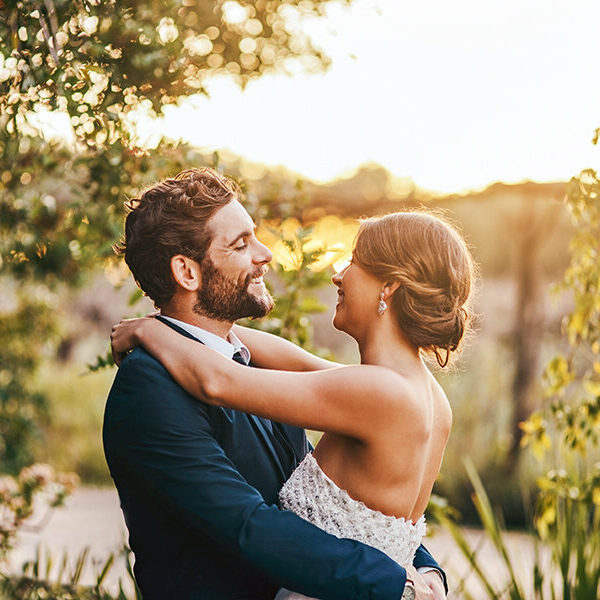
{"x": 264, "y": 429}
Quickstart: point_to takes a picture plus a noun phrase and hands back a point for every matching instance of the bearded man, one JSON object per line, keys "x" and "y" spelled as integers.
{"x": 198, "y": 484}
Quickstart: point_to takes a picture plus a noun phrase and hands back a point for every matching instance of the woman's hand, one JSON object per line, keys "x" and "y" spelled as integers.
{"x": 422, "y": 589}
{"x": 125, "y": 336}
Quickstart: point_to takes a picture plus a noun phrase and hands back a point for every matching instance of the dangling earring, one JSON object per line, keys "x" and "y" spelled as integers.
{"x": 382, "y": 307}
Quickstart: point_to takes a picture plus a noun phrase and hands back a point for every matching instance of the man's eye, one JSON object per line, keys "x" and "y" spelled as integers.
{"x": 241, "y": 246}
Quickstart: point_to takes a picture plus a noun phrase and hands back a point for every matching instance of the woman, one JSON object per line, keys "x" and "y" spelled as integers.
{"x": 386, "y": 421}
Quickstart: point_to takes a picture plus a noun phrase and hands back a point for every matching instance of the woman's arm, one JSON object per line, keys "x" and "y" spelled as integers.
{"x": 356, "y": 400}
{"x": 153, "y": 431}
{"x": 272, "y": 352}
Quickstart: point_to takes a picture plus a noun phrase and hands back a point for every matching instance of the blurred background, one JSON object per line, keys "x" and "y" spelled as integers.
{"x": 325, "y": 112}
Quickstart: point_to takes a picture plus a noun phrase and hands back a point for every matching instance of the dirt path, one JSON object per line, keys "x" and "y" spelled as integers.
{"x": 92, "y": 518}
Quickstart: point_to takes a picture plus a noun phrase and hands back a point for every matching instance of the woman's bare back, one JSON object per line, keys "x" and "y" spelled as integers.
{"x": 394, "y": 471}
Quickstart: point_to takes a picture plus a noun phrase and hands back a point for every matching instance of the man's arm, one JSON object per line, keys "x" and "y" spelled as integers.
{"x": 165, "y": 440}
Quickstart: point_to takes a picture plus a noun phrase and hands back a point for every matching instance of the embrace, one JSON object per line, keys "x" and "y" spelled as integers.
{"x": 223, "y": 496}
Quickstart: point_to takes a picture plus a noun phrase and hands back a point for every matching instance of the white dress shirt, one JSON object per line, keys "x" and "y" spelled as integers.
{"x": 226, "y": 347}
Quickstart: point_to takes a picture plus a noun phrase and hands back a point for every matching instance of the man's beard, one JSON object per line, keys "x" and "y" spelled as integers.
{"x": 224, "y": 299}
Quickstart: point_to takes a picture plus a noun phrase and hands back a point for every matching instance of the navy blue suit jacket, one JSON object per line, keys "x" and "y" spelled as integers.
{"x": 198, "y": 487}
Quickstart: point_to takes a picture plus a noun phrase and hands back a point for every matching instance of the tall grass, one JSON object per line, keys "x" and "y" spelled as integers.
{"x": 44, "y": 578}
{"x": 566, "y": 564}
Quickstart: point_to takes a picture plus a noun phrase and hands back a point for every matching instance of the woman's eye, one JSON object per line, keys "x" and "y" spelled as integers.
{"x": 241, "y": 246}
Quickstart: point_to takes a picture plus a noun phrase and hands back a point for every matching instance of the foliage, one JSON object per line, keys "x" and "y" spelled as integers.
{"x": 39, "y": 488}
{"x": 572, "y": 381}
{"x": 568, "y": 514}
{"x": 35, "y": 491}
{"x": 19, "y": 497}
{"x": 569, "y": 571}
{"x": 101, "y": 59}
{"x": 22, "y": 408}
{"x": 512, "y": 586}
{"x": 102, "y": 64}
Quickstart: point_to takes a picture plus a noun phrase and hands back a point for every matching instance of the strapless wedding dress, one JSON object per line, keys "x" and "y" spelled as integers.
{"x": 315, "y": 497}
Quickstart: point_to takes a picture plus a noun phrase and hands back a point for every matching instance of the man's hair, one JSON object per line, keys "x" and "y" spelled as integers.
{"x": 171, "y": 218}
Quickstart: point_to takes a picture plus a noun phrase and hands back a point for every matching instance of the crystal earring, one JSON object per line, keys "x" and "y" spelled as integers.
{"x": 381, "y": 308}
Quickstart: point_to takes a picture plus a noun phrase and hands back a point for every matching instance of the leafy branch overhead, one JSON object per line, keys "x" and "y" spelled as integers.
{"x": 100, "y": 59}
{"x": 99, "y": 65}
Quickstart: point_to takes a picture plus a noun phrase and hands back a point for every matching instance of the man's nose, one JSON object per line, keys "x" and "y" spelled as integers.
{"x": 263, "y": 255}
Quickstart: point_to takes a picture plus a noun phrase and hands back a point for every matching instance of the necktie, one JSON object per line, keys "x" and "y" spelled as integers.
{"x": 238, "y": 358}
{"x": 265, "y": 422}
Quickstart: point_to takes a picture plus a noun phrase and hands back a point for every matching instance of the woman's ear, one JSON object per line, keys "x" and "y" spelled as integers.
{"x": 186, "y": 272}
{"x": 389, "y": 288}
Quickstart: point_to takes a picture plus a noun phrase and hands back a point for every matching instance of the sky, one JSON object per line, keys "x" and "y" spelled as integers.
{"x": 452, "y": 94}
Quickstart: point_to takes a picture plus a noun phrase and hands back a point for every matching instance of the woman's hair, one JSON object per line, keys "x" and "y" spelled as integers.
{"x": 171, "y": 218}
{"x": 431, "y": 261}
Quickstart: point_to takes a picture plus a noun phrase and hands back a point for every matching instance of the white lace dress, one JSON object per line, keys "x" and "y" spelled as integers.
{"x": 315, "y": 497}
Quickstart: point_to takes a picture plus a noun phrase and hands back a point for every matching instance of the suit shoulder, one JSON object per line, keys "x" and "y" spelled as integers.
{"x": 139, "y": 359}
{"x": 144, "y": 393}
{"x": 141, "y": 375}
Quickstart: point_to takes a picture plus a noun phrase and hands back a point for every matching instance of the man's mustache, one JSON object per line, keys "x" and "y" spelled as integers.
{"x": 259, "y": 272}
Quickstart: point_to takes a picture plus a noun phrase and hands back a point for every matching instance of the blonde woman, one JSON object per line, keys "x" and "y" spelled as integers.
{"x": 386, "y": 421}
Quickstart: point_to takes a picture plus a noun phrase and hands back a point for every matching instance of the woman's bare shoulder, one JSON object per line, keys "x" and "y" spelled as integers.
{"x": 389, "y": 393}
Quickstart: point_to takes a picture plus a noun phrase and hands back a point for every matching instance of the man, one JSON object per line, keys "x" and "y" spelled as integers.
{"x": 198, "y": 484}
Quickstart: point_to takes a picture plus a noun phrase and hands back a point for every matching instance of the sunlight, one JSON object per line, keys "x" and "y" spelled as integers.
{"x": 450, "y": 97}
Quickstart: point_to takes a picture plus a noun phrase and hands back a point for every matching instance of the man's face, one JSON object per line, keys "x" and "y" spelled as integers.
{"x": 233, "y": 269}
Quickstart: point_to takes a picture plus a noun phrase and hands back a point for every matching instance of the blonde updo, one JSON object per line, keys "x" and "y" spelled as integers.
{"x": 433, "y": 265}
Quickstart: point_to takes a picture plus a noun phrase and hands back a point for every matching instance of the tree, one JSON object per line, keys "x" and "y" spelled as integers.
{"x": 531, "y": 229}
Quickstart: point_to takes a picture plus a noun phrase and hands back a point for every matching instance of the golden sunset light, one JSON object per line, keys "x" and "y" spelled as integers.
{"x": 454, "y": 95}
{"x": 299, "y": 299}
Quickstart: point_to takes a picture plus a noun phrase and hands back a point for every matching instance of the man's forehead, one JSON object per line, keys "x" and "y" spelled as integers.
{"x": 230, "y": 221}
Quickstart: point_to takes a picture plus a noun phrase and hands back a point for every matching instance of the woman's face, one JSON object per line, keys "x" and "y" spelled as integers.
{"x": 358, "y": 299}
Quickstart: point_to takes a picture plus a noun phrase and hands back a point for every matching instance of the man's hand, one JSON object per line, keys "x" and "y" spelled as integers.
{"x": 434, "y": 581}
{"x": 421, "y": 585}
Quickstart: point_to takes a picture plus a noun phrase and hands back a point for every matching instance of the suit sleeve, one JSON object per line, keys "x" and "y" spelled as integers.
{"x": 424, "y": 559}
{"x": 164, "y": 438}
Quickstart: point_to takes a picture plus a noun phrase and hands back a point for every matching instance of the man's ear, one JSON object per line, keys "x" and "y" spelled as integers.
{"x": 186, "y": 272}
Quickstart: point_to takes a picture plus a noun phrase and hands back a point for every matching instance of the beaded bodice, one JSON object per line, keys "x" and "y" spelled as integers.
{"x": 312, "y": 495}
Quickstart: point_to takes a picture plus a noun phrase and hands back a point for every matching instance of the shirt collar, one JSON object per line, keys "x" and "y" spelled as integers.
{"x": 225, "y": 347}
